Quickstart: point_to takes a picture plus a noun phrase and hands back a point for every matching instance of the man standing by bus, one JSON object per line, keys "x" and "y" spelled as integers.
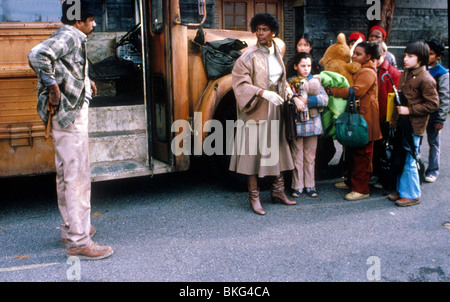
{"x": 65, "y": 88}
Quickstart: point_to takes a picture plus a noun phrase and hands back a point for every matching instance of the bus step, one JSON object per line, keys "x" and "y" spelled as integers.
{"x": 126, "y": 168}
{"x": 118, "y": 145}
{"x": 119, "y": 118}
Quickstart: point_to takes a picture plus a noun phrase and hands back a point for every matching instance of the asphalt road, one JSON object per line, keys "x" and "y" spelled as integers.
{"x": 197, "y": 227}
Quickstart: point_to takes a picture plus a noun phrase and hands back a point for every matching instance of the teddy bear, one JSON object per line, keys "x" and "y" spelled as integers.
{"x": 337, "y": 59}
{"x": 312, "y": 87}
{"x": 306, "y": 88}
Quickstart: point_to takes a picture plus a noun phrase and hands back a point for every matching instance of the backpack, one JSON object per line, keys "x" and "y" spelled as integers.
{"x": 351, "y": 128}
{"x": 218, "y": 56}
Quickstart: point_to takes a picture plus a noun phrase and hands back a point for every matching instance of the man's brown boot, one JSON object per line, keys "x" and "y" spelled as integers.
{"x": 92, "y": 252}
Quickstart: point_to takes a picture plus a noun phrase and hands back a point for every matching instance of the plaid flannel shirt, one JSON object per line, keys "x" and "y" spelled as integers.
{"x": 313, "y": 126}
{"x": 62, "y": 58}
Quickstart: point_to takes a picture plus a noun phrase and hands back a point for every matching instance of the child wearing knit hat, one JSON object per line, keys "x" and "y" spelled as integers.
{"x": 378, "y": 34}
{"x": 354, "y": 37}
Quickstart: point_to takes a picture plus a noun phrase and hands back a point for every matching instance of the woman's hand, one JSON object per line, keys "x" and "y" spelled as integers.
{"x": 272, "y": 97}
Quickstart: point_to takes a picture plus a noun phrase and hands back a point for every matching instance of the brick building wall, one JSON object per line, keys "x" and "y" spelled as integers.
{"x": 289, "y": 33}
{"x": 413, "y": 20}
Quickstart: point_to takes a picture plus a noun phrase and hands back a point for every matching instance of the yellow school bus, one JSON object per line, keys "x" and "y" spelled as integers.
{"x": 148, "y": 78}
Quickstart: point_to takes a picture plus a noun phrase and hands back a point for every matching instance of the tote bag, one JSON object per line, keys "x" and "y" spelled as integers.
{"x": 351, "y": 128}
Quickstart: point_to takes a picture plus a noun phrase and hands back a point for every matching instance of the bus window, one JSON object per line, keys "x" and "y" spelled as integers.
{"x": 30, "y": 10}
{"x": 157, "y": 16}
{"x": 119, "y": 15}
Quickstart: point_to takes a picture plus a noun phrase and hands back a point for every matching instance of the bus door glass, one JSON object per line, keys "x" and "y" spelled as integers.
{"x": 159, "y": 78}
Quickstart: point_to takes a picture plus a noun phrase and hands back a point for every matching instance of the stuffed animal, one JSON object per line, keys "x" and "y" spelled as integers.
{"x": 337, "y": 59}
{"x": 307, "y": 88}
{"x": 312, "y": 87}
{"x": 304, "y": 87}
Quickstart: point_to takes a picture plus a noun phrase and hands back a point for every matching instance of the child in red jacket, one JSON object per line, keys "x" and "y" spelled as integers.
{"x": 384, "y": 66}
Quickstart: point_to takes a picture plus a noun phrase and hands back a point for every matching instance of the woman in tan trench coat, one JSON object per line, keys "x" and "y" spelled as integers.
{"x": 259, "y": 84}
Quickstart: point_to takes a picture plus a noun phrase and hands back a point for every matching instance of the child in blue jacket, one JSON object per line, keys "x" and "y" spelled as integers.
{"x": 437, "y": 119}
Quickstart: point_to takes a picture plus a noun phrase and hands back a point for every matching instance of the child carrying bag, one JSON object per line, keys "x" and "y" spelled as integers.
{"x": 351, "y": 127}
{"x": 289, "y": 118}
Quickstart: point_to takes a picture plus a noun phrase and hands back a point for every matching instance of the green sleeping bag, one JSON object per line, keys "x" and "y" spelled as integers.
{"x": 336, "y": 106}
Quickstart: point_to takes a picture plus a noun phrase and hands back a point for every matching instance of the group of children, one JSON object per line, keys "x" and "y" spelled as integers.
{"x": 425, "y": 96}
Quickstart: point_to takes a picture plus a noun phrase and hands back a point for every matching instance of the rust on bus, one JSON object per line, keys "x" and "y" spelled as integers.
{"x": 23, "y": 148}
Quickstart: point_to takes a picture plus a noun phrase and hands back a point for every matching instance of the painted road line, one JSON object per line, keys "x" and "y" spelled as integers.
{"x": 24, "y": 267}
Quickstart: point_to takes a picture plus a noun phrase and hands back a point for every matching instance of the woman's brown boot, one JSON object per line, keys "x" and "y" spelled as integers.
{"x": 253, "y": 191}
{"x": 277, "y": 192}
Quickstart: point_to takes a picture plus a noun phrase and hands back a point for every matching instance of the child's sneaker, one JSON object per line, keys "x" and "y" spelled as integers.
{"x": 341, "y": 185}
{"x": 352, "y": 196}
{"x": 430, "y": 178}
{"x": 311, "y": 192}
{"x": 296, "y": 193}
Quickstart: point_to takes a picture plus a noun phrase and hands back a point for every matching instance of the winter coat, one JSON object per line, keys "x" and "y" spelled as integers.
{"x": 366, "y": 91}
{"x": 259, "y": 116}
{"x": 386, "y": 87}
{"x": 441, "y": 75}
{"x": 419, "y": 89}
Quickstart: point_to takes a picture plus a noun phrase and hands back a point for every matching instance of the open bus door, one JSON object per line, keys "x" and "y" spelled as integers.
{"x": 158, "y": 79}
{"x": 168, "y": 79}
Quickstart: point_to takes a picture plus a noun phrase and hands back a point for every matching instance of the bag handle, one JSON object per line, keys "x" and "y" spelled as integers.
{"x": 351, "y": 101}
